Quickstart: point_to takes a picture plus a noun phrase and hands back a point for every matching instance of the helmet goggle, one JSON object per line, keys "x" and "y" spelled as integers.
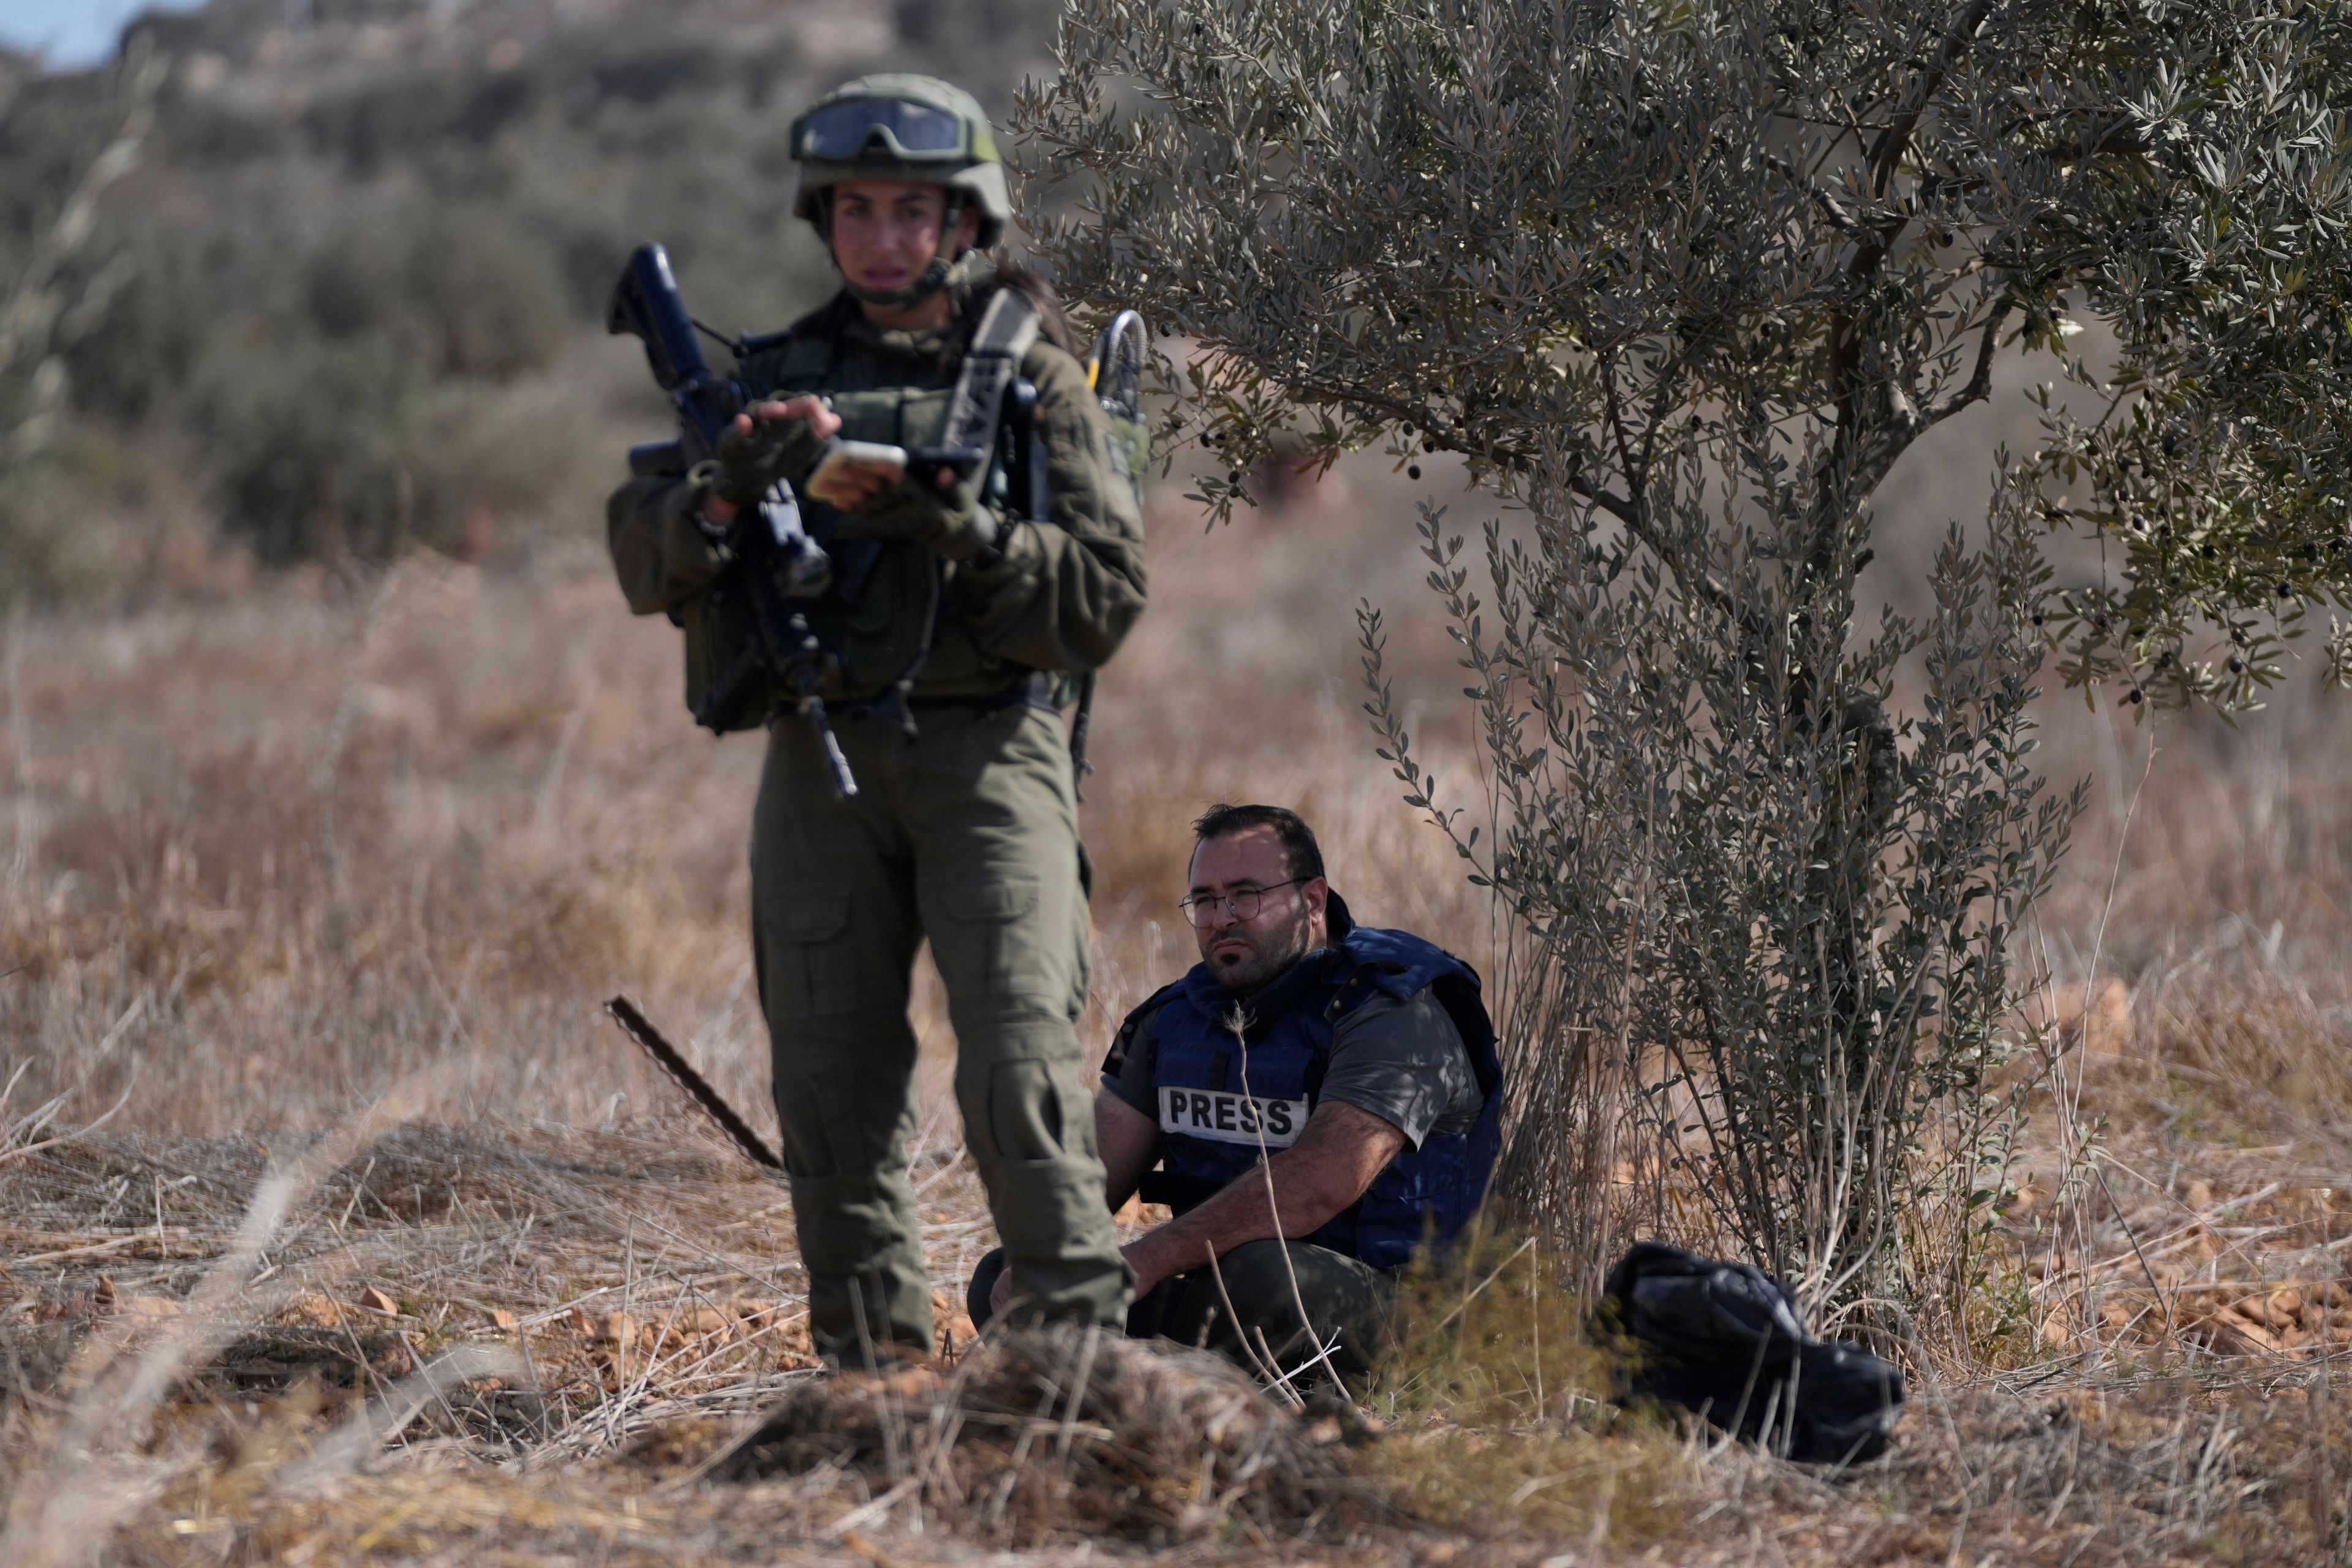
{"x": 850, "y": 128}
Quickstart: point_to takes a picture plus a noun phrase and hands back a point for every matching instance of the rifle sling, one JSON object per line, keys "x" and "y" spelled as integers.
{"x": 990, "y": 364}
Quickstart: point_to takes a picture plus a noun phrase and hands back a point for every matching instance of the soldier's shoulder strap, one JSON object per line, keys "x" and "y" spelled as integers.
{"x": 798, "y": 359}
{"x": 1006, "y": 329}
{"x": 808, "y": 359}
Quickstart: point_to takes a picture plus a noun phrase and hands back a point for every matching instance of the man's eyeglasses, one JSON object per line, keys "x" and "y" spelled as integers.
{"x": 1201, "y": 908}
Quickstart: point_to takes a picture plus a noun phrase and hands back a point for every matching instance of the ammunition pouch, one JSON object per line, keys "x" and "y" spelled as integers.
{"x": 720, "y": 628}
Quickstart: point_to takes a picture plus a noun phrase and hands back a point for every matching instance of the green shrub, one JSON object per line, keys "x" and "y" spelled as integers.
{"x": 371, "y": 124}
{"x": 489, "y": 295}
{"x": 211, "y": 129}
{"x": 462, "y": 292}
{"x": 133, "y": 356}
{"x": 48, "y": 130}
{"x": 307, "y": 439}
{"x": 632, "y": 59}
{"x": 502, "y": 451}
{"x": 47, "y": 553}
{"x": 350, "y": 284}
{"x": 56, "y": 542}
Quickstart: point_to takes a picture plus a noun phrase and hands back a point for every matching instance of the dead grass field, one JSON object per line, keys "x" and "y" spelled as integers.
{"x": 272, "y": 855}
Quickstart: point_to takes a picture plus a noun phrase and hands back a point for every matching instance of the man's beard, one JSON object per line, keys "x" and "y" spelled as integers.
{"x": 1266, "y": 955}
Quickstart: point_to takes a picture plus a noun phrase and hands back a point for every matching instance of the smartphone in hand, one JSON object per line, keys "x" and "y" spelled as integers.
{"x": 853, "y": 473}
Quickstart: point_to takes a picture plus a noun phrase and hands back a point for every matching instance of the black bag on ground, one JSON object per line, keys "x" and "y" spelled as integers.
{"x": 1728, "y": 1340}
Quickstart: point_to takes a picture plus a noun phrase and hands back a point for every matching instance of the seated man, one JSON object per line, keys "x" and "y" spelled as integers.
{"x": 1321, "y": 1099}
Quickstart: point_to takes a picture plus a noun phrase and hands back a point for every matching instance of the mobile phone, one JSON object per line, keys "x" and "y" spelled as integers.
{"x": 844, "y": 457}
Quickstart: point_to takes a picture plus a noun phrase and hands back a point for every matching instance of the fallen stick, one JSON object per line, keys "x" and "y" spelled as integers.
{"x": 635, "y": 1025}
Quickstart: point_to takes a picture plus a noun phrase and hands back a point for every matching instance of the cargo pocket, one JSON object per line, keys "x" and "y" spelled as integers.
{"x": 993, "y": 926}
{"x": 809, "y": 969}
{"x": 1024, "y": 1111}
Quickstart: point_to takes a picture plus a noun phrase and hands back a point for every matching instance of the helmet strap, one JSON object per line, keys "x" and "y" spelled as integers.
{"x": 945, "y": 266}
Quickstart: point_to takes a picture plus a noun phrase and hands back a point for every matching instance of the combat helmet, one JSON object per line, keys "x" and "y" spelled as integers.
{"x": 901, "y": 127}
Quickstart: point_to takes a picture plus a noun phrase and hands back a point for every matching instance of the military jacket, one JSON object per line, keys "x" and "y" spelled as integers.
{"x": 1062, "y": 595}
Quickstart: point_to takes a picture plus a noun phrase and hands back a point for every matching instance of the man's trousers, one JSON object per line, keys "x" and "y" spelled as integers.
{"x": 1247, "y": 1309}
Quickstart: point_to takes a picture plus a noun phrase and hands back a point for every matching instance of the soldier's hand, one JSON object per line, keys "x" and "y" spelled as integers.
{"x": 770, "y": 441}
{"x": 939, "y": 509}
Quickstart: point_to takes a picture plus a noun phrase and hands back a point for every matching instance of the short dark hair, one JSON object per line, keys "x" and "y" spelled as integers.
{"x": 1301, "y": 855}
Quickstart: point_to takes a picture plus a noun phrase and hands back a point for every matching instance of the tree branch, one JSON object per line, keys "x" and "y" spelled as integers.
{"x": 1845, "y": 333}
{"x": 1831, "y": 207}
{"x": 1633, "y": 481}
{"x": 1629, "y": 514}
{"x": 1888, "y": 152}
{"x": 1980, "y": 382}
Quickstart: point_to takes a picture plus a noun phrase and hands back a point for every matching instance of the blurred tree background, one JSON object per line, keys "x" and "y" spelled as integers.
{"x": 330, "y": 289}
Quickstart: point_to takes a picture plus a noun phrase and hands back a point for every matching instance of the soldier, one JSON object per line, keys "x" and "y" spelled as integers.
{"x": 1322, "y": 1099}
{"x": 951, "y": 637}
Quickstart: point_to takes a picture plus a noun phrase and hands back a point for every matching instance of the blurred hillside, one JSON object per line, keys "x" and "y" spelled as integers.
{"x": 350, "y": 293}
{"x": 349, "y": 298}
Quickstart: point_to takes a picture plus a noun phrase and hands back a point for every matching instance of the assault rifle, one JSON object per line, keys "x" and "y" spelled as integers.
{"x": 780, "y": 567}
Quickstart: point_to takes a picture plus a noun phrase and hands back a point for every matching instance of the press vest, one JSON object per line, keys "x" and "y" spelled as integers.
{"x": 1222, "y": 1103}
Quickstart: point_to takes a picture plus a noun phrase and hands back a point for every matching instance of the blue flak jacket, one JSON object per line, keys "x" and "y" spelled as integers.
{"x": 1225, "y": 1101}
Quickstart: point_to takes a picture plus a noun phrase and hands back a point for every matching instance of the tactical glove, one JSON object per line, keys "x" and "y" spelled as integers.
{"x": 948, "y": 519}
{"x": 749, "y": 461}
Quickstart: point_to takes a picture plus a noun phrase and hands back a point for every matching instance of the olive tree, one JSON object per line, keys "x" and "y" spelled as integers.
{"x": 1681, "y": 282}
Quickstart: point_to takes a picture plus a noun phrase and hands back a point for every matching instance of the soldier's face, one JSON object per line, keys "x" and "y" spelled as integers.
{"x": 1245, "y": 954}
{"x": 885, "y": 232}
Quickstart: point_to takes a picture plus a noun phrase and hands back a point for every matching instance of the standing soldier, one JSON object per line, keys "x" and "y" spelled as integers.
{"x": 953, "y": 633}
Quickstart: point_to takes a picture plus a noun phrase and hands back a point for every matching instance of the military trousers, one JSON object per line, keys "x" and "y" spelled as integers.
{"x": 965, "y": 833}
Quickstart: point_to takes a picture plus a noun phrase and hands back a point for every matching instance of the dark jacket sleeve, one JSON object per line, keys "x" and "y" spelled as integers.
{"x": 1067, "y": 590}
{"x": 659, "y": 554}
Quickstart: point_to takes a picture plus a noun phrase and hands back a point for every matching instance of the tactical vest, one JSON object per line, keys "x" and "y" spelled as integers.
{"x": 886, "y": 596}
{"x": 1222, "y": 1102}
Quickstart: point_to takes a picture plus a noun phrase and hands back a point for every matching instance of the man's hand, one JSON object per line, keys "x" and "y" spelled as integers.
{"x": 1335, "y": 1159}
{"x": 940, "y": 509}
{"x": 770, "y": 441}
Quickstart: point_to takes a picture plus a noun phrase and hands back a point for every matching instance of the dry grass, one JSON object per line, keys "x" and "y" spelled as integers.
{"x": 264, "y": 860}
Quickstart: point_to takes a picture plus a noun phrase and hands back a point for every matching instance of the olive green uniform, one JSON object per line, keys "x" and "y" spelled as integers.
{"x": 966, "y": 833}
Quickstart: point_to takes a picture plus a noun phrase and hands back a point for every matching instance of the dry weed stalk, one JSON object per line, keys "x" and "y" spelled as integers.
{"x": 96, "y": 1475}
{"x": 42, "y": 316}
